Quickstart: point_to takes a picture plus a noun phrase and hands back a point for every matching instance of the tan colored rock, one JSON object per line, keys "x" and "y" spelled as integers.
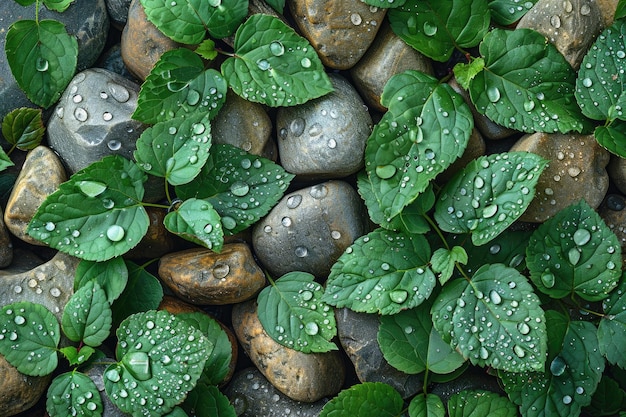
{"x": 19, "y": 392}
{"x": 577, "y": 170}
{"x": 202, "y": 277}
{"x": 40, "y": 176}
{"x": 339, "y": 30}
{"x": 607, "y": 10}
{"x": 305, "y": 377}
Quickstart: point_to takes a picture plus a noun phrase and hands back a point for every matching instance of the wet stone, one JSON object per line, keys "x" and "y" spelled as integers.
{"x": 202, "y": 277}
{"x": 617, "y": 172}
{"x": 309, "y": 229}
{"x": 41, "y": 175}
{"x": 613, "y": 212}
{"x": 577, "y": 170}
{"x": 96, "y": 373}
{"x": 158, "y": 240}
{"x": 6, "y": 246}
{"x": 118, "y": 12}
{"x": 340, "y": 32}
{"x": 306, "y": 377}
{"x": 93, "y": 119}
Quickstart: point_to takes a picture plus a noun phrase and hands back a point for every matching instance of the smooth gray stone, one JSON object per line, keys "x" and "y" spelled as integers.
{"x": 118, "y": 11}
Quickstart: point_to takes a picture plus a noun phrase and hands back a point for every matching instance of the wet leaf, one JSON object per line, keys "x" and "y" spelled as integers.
{"x": 207, "y": 401}
{"x": 207, "y": 50}
{"x": 444, "y": 260}
{"x": 87, "y": 315}
{"x": 620, "y": 11}
{"x": 274, "y": 65}
{"x": 75, "y": 357}
{"x": 612, "y": 137}
{"x": 507, "y": 248}
{"x": 58, "y": 5}
{"x": 382, "y": 272}
{"x": 494, "y": 320}
{"x": 385, "y": 4}
{"x": 23, "y": 128}
{"x": 436, "y": 28}
{"x": 479, "y": 403}
{"x": 368, "y": 399}
{"x": 277, "y": 5}
{"x": 426, "y": 405}
{"x": 178, "y": 85}
{"x": 575, "y": 252}
{"x": 111, "y": 275}
{"x": 5, "y": 161}
{"x": 612, "y": 327}
{"x": 608, "y": 399}
{"x": 464, "y": 73}
{"x": 507, "y": 12}
{"x": 143, "y": 292}
{"x": 196, "y": 221}
{"x": 29, "y": 336}
{"x": 293, "y": 313}
{"x": 97, "y": 214}
{"x": 73, "y": 394}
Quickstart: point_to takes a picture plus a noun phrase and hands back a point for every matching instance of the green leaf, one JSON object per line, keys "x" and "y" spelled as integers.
{"x": 87, "y": 315}
{"x": 5, "y": 161}
{"x": 488, "y": 195}
{"x": 426, "y": 405}
{"x": 187, "y": 21}
{"x": 608, "y": 399}
{"x": 208, "y": 401}
{"x": 42, "y": 57}
{"x": 111, "y": 275}
{"x": 178, "y": 85}
{"x": 274, "y": 65}
{"x": 507, "y": 12}
{"x": 494, "y": 320}
{"x": 143, "y": 292}
{"x": 369, "y": 399}
{"x": 479, "y": 403}
{"x": 410, "y": 344}
{"x": 620, "y": 11}
{"x": 443, "y": 261}
{"x": 73, "y": 393}
{"x": 600, "y": 91}
{"x": 241, "y": 187}
{"x": 176, "y": 412}
{"x": 58, "y": 5}
{"x": 426, "y": 128}
{"x": 97, "y": 214}
{"x": 612, "y": 137}
{"x": 277, "y": 5}
{"x": 526, "y": 85}
{"x": 508, "y": 248}
{"x": 75, "y": 357}
{"x": 436, "y": 28}
{"x": 25, "y": 2}
{"x": 29, "y": 336}
{"x": 196, "y": 221}
{"x": 575, "y": 252}
{"x": 23, "y": 128}
{"x": 385, "y": 4}
{"x": 293, "y": 313}
{"x": 382, "y": 272}
{"x": 465, "y": 73}
{"x": 612, "y": 327}
{"x": 160, "y": 359}
{"x": 207, "y": 50}
{"x": 176, "y": 149}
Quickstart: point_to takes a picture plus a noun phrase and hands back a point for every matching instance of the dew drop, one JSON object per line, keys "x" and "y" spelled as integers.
{"x": 108, "y": 203}
{"x": 208, "y": 228}
{"x": 81, "y": 114}
{"x": 385, "y": 171}
{"x": 41, "y": 64}
{"x": 138, "y": 364}
{"x": 305, "y": 62}
{"x": 587, "y": 82}
{"x": 221, "y": 270}
{"x": 493, "y": 94}
{"x": 567, "y": 399}
{"x": 277, "y": 48}
{"x": 306, "y": 295}
{"x": 495, "y": 297}
{"x": 529, "y": 105}
{"x": 286, "y": 221}
{"x": 198, "y": 128}
{"x": 494, "y": 249}
{"x": 91, "y": 188}
{"x": 115, "y": 233}
{"x": 621, "y": 54}
{"x": 294, "y": 201}
{"x": 19, "y": 320}
{"x": 408, "y": 329}
{"x": 483, "y": 353}
{"x": 547, "y": 278}
{"x": 490, "y": 211}
{"x": 112, "y": 375}
{"x": 574, "y": 256}
{"x": 519, "y": 351}
{"x": 107, "y": 116}
{"x": 557, "y": 366}
{"x": 523, "y": 328}
{"x": 297, "y": 126}
{"x": 555, "y": 21}
{"x": 239, "y": 188}
{"x": 215, "y": 3}
{"x": 301, "y": 251}
{"x": 114, "y": 145}
{"x": 311, "y": 328}
{"x": 430, "y": 29}
{"x": 398, "y": 296}
{"x": 335, "y": 234}
{"x": 50, "y": 226}
{"x": 580, "y": 390}
{"x": 318, "y": 192}
{"x": 585, "y": 9}
{"x": 228, "y": 222}
{"x": 193, "y": 97}
{"x": 315, "y": 130}
{"x": 332, "y": 143}
{"x": 356, "y": 19}
{"x": 119, "y": 93}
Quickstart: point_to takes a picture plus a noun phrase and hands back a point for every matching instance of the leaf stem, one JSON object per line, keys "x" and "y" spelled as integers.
{"x": 163, "y": 206}
{"x": 425, "y": 383}
{"x": 434, "y": 226}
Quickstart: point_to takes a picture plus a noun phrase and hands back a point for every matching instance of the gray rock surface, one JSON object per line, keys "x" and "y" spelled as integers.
{"x": 6, "y": 245}
{"x": 118, "y": 11}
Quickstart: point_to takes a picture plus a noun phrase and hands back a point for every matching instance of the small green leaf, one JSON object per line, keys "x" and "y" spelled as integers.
{"x": 5, "y": 161}
{"x": 575, "y": 252}
{"x": 526, "y": 84}
{"x": 23, "y": 128}
{"x": 161, "y": 358}
{"x": 507, "y": 12}
{"x": 42, "y": 57}
{"x": 87, "y": 315}
{"x": 58, "y": 5}
{"x": 187, "y": 21}
{"x": 488, "y": 195}
{"x": 443, "y": 261}
{"x": 465, "y": 73}
{"x": 292, "y": 313}
{"x": 207, "y": 401}
{"x": 241, "y": 187}
{"x": 97, "y": 214}
{"x": 73, "y": 393}
{"x": 75, "y": 357}
{"x": 385, "y": 4}
{"x": 178, "y": 85}
{"x": 436, "y": 28}
{"x": 29, "y": 336}
{"x": 426, "y": 405}
{"x": 143, "y": 292}
{"x": 277, "y": 5}
{"x": 494, "y": 320}
{"x": 176, "y": 149}
{"x": 274, "y": 65}
{"x": 111, "y": 275}
{"x": 612, "y": 137}
{"x": 478, "y": 403}
{"x": 207, "y": 50}
{"x": 369, "y": 399}
{"x": 196, "y": 221}
{"x": 382, "y": 272}
{"x": 612, "y": 327}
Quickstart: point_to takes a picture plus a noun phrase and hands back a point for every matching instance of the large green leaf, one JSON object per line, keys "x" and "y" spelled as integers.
{"x": 196, "y": 221}
{"x": 369, "y": 399}
{"x": 507, "y": 12}
{"x": 426, "y": 405}
{"x": 426, "y": 128}
{"x": 75, "y": 394}
{"x": 575, "y": 252}
{"x": 292, "y": 313}
{"x": 273, "y": 65}
{"x": 111, "y": 275}
{"x": 208, "y": 401}
{"x": 23, "y": 128}
{"x": 179, "y": 85}
{"x": 97, "y": 214}
{"x": 486, "y": 197}
{"x": 495, "y": 319}
{"x": 87, "y": 315}
{"x": 612, "y": 327}
{"x": 479, "y": 403}
{"x": 187, "y": 21}
{"x": 42, "y": 57}
{"x": 436, "y": 28}
{"x": 383, "y": 272}
{"x": 526, "y": 84}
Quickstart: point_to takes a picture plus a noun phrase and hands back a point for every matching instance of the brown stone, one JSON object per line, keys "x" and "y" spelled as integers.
{"x": 305, "y": 377}
{"x": 339, "y": 30}
{"x": 19, "y": 392}
{"x": 202, "y": 277}
{"x": 617, "y": 172}
{"x": 158, "y": 240}
{"x": 607, "y": 10}
{"x": 577, "y": 170}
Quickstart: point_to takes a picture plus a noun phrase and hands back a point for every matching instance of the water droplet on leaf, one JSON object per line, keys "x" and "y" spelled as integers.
{"x": 115, "y": 233}
{"x": 398, "y": 296}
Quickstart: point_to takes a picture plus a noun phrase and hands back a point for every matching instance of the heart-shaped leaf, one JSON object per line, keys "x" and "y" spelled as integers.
{"x": 382, "y": 272}
{"x": 29, "y": 336}
{"x": 76, "y": 357}
{"x": 426, "y": 405}
{"x": 611, "y": 330}
{"x": 274, "y": 65}
{"x": 444, "y": 260}
{"x": 87, "y": 315}
{"x": 178, "y": 85}
{"x": 111, "y": 275}
{"x": 495, "y": 319}
{"x": 479, "y": 403}
{"x": 97, "y": 214}
{"x": 575, "y": 252}
{"x": 507, "y": 12}
{"x": 369, "y": 399}
{"x": 73, "y": 393}
{"x": 23, "y": 128}
{"x": 143, "y": 292}
{"x": 488, "y": 195}
{"x": 42, "y": 57}
{"x": 196, "y": 220}
{"x": 292, "y": 313}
